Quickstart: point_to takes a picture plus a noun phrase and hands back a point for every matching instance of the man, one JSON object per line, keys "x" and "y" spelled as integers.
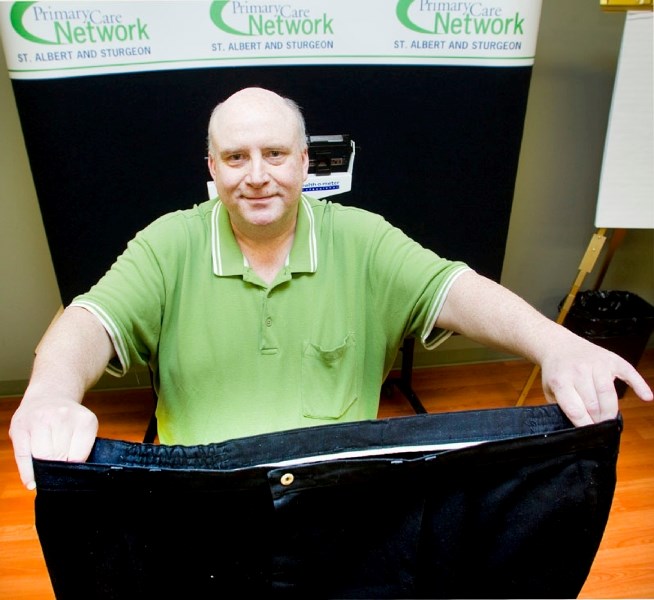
{"x": 266, "y": 310}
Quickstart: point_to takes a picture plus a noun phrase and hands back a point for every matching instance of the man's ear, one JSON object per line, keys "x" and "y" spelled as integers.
{"x": 305, "y": 163}
{"x": 211, "y": 163}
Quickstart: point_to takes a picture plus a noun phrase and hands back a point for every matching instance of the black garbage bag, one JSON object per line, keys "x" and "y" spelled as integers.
{"x": 617, "y": 320}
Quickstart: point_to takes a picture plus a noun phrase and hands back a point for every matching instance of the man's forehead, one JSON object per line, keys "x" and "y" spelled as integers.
{"x": 240, "y": 135}
{"x": 254, "y": 130}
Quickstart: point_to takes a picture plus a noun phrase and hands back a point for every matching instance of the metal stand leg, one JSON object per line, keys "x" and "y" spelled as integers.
{"x": 403, "y": 382}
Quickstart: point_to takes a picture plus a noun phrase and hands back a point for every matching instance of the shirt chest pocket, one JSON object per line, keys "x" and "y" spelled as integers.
{"x": 330, "y": 379}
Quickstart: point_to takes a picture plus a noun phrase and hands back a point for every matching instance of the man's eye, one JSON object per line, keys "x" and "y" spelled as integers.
{"x": 234, "y": 160}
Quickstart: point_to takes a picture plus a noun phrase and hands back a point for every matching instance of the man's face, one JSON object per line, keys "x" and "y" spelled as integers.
{"x": 259, "y": 162}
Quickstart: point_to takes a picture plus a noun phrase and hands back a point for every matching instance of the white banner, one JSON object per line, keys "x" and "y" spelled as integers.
{"x": 67, "y": 39}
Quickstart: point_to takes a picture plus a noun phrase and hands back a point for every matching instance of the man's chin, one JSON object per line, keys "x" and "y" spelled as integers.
{"x": 262, "y": 216}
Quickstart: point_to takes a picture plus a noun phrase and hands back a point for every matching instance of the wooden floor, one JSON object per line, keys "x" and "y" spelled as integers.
{"x": 623, "y": 568}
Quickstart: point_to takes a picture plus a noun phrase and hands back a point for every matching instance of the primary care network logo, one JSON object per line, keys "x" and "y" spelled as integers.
{"x": 458, "y": 18}
{"x": 62, "y": 26}
{"x": 241, "y": 17}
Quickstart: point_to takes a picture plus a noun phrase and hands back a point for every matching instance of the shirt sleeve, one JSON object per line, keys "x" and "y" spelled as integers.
{"x": 412, "y": 283}
{"x": 129, "y": 299}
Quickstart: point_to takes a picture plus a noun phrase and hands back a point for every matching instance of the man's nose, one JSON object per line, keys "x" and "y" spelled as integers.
{"x": 258, "y": 171}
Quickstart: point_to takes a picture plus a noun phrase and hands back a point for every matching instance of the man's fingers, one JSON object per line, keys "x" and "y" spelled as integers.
{"x": 82, "y": 441}
{"x": 628, "y": 373}
{"x": 591, "y": 393}
{"x": 23, "y": 457}
{"x": 66, "y": 433}
{"x": 25, "y": 469}
{"x": 584, "y": 383}
{"x": 573, "y": 406}
{"x": 607, "y": 398}
{"x": 568, "y": 398}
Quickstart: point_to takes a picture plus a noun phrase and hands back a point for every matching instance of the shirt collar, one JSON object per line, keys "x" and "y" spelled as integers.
{"x": 227, "y": 258}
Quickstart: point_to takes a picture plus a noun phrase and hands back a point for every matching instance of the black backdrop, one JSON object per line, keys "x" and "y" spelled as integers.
{"x": 437, "y": 151}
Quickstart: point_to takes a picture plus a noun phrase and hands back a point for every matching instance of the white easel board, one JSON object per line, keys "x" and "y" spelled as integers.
{"x": 626, "y": 192}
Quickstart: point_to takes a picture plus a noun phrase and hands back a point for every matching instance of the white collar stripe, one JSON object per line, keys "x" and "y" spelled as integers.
{"x": 215, "y": 247}
{"x": 313, "y": 244}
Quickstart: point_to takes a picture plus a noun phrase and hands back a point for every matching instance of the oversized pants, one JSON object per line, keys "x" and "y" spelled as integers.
{"x": 507, "y": 503}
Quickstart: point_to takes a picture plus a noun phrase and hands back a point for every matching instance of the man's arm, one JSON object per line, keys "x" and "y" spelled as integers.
{"x": 51, "y": 421}
{"x": 576, "y": 373}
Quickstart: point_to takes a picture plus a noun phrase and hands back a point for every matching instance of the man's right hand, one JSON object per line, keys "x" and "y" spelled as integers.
{"x": 51, "y": 422}
{"x": 50, "y": 429}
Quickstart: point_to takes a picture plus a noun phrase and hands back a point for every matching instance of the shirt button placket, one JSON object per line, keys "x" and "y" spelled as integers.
{"x": 268, "y": 341}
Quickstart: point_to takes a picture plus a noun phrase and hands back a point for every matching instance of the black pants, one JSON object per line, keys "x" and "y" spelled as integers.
{"x": 520, "y": 515}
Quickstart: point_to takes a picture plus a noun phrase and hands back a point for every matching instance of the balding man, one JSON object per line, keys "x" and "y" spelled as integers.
{"x": 264, "y": 309}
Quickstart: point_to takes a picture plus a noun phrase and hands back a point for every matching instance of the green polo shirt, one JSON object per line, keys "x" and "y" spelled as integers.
{"x": 233, "y": 356}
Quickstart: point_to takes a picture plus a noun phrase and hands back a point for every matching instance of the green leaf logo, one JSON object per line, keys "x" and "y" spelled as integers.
{"x": 216, "y": 13}
{"x": 18, "y": 10}
{"x": 402, "y": 12}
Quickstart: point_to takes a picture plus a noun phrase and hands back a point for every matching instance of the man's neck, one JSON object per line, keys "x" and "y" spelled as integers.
{"x": 267, "y": 253}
